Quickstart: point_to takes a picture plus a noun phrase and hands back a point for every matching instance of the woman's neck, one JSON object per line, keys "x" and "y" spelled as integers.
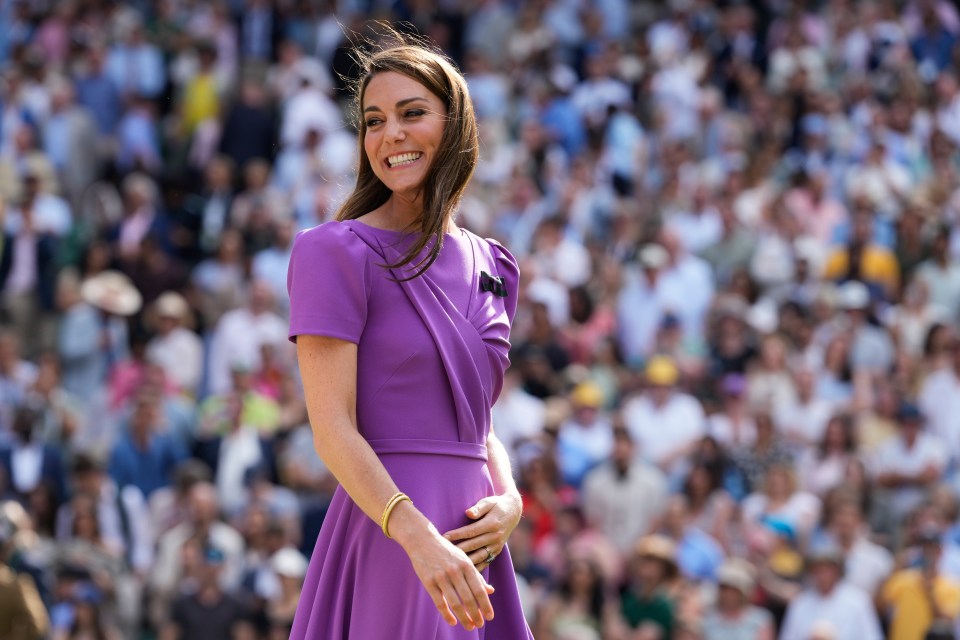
{"x": 399, "y": 213}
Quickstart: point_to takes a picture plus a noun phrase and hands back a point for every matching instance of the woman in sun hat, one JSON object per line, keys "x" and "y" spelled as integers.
{"x": 93, "y": 335}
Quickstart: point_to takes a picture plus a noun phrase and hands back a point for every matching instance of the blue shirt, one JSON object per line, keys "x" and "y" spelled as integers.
{"x": 699, "y": 555}
{"x": 100, "y": 96}
{"x": 147, "y": 469}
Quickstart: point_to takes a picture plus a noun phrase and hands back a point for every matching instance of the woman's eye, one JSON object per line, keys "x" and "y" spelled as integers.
{"x": 373, "y": 122}
{"x": 414, "y": 113}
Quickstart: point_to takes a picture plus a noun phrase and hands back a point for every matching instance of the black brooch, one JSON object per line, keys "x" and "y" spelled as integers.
{"x": 493, "y": 284}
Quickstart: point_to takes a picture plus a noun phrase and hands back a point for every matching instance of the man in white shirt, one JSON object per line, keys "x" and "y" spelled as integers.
{"x": 241, "y": 333}
{"x": 558, "y": 257}
{"x": 830, "y": 603}
{"x": 517, "y": 416}
{"x": 868, "y": 565}
{"x": 643, "y": 302}
{"x": 908, "y": 466}
{"x": 665, "y": 422}
{"x": 624, "y": 496}
{"x": 939, "y": 399}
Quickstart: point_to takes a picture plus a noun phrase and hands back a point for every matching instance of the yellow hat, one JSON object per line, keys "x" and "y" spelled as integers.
{"x": 662, "y": 371}
{"x": 587, "y": 394}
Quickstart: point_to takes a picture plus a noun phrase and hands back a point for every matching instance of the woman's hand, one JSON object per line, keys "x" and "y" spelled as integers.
{"x": 496, "y": 518}
{"x": 456, "y": 587}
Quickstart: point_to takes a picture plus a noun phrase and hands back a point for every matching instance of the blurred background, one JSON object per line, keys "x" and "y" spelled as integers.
{"x": 734, "y": 403}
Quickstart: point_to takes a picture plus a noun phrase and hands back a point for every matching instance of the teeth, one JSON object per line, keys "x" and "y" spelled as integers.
{"x": 403, "y": 158}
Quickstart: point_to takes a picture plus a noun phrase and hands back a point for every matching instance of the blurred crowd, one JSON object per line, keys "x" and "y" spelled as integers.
{"x": 734, "y": 402}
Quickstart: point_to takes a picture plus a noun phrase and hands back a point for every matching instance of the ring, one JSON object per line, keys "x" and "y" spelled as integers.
{"x": 490, "y": 556}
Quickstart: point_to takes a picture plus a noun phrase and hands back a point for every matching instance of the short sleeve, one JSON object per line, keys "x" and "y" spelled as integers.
{"x": 328, "y": 281}
{"x": 509, "y": 270}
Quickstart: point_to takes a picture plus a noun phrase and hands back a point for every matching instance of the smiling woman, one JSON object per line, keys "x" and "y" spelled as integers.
{"x": 410, "y": 96}
{"x": 402, "y": 324}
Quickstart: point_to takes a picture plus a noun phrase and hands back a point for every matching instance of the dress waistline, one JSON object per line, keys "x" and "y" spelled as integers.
{"x": 429, "y": 447}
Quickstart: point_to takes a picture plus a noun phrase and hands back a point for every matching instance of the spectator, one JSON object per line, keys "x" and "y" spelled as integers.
{"x": 664, "y": 421}
{"x": 121, "y": 513}
{"x": 918, "y": 597}
{"x": 909, "y": 465}
{"x": 624, "y": 497}
{"x": 174, "y": 553}
{"x": 647, "y": 600}
{"x": 208, "y": 612}
{"x": 733, "y": 615}
{"x": 231, "y": 341}
{"x": 867, "y": 564}
{"x": 176, "y": 348}
{"x": 145, "y": 456}
{"x": 22, "y": 612}
{"x": 586, "y": 439}
{"x": 829, "y": 603}
{"x": 96, "y": 338}
{"x": 28, "y": 461}
{"x": 824, "y": 468}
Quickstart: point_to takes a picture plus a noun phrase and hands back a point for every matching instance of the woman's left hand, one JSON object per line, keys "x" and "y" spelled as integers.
{"x": 495, "y": 519}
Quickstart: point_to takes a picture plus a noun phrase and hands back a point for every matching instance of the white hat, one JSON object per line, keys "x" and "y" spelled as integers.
{"x": 654, "y": 256}
{"x": 289, "y": 562}
{"x": 854, "y": 295}
{"x": 112, "y": 292}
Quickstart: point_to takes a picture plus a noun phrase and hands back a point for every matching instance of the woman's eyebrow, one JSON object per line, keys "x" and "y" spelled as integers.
{"x": 401, "y": 103}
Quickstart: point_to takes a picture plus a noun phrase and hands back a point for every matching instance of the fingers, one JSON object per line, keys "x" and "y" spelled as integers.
{"x": 481, "y": 508}
{"x": 440, "y": 602}
{"x": 493, "y": 540}
{"x": 470, "y": 602}
{"x": 481, "y": 559}
{"x": 470, "y": 531}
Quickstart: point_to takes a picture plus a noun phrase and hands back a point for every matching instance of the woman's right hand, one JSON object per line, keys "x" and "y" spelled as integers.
{"x": 457, "y": 589}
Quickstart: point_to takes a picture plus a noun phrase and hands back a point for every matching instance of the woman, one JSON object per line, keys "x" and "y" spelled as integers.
{"x": 711, "y": 507}
{"x": 824, "y": 468}
{"x": 648, "y": 599}
{"x": 580, "y": 608}
{"x": 733, "y": 616}
{"x": 402, "y": 324}
{"x": 781, "y": 501}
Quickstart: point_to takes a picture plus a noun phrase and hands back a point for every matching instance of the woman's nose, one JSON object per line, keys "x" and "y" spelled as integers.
{"x": 394, "y": 129}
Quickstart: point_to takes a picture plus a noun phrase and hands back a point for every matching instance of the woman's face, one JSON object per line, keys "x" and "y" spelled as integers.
{"x": 834, "y": 437}
{"x": 404, "y": 127}
{"x": 581, "y": 576}
{"x": 700, "y": 481}
{"x": 778, "y": 484}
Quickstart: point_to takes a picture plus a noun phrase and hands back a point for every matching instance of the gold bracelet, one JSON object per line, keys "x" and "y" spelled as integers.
{"x": 387, "y": 510}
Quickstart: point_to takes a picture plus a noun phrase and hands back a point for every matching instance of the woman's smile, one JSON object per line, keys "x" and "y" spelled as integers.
{"x": 404, "y": 125}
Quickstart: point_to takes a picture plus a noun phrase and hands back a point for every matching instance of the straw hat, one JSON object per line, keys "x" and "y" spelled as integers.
{"x": 660, "y": 548}
{"x": 737, "y": 574}
{"x": 113, "y": 292}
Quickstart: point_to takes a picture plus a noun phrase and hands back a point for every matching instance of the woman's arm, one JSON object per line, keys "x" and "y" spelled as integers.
{"x": 497, "y": 515}
{"x": 328, "y": 367}
{"x": 498, "y": 461}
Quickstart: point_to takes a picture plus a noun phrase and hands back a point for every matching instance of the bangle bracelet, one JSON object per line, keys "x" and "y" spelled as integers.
{"x": 387, "y": 510}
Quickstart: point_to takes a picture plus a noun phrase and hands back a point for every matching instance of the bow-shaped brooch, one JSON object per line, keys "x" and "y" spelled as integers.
{"x": 494, "y": 284}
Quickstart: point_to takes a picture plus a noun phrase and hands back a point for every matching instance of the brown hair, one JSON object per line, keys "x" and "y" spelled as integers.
{"x": 458, "y": 150}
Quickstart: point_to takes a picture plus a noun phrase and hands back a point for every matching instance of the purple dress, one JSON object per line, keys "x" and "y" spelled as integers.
{"x": 430, "y": 362}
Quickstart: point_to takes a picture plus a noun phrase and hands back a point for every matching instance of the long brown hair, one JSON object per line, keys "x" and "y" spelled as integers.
{"x": 458, "y": 151}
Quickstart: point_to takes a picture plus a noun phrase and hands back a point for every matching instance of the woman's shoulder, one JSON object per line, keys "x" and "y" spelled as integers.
{"x": 330, "y": 241}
